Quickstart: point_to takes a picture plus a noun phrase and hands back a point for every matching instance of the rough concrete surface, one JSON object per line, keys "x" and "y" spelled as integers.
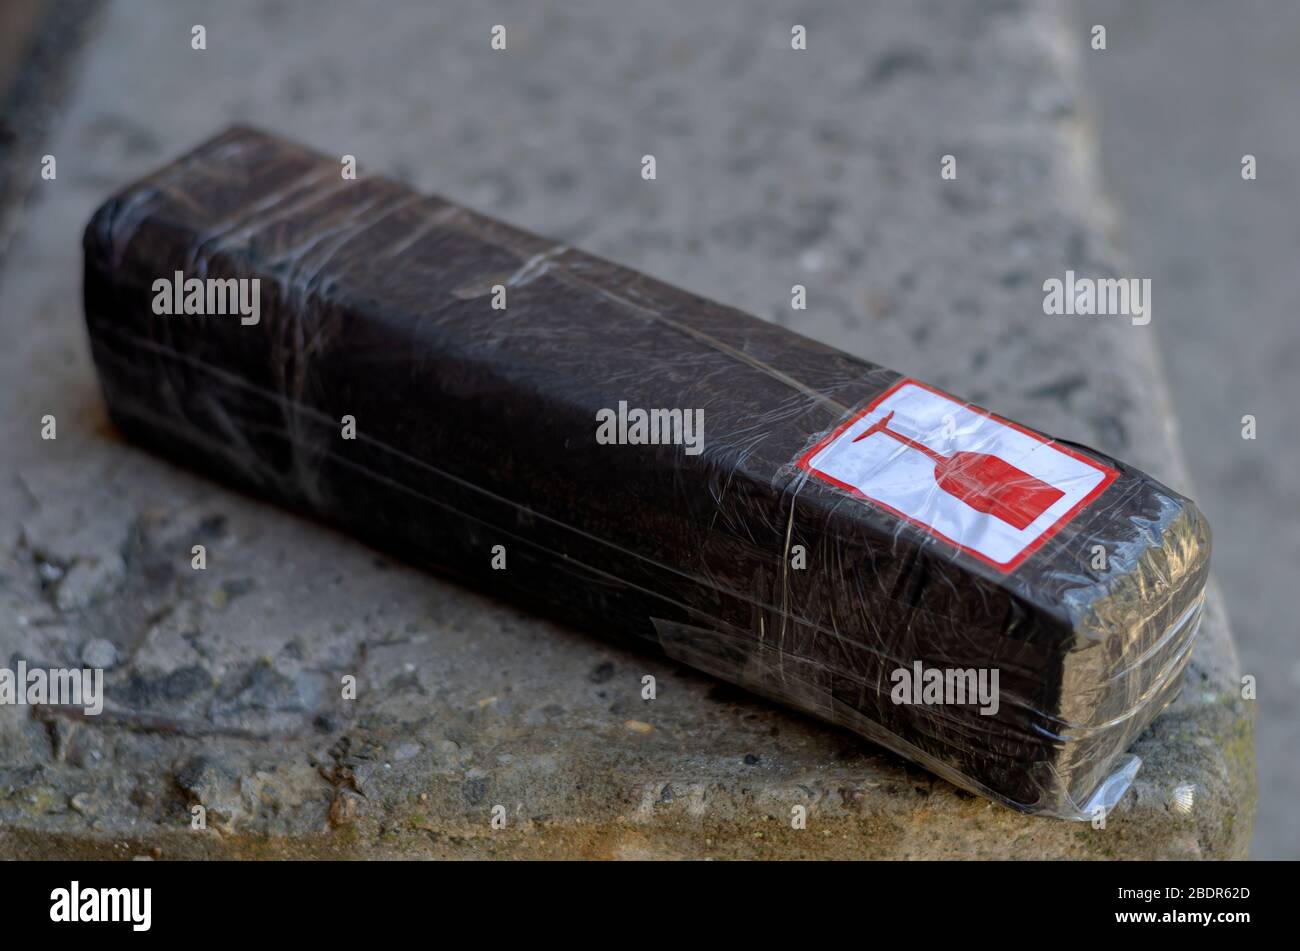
{"x": 775, "y": 167}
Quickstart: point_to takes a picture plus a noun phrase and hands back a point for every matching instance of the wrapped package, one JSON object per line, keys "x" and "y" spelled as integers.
{"x": 1007, "y": 610}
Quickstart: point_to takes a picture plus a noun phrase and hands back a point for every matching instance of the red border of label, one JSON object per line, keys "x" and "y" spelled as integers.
{"x": 804, "y": 462}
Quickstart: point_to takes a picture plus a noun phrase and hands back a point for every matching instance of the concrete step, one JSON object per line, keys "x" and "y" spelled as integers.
{"x": 775, "y": 167}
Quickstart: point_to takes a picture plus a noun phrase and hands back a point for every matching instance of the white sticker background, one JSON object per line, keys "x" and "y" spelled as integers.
{"x": 888, "y": 471}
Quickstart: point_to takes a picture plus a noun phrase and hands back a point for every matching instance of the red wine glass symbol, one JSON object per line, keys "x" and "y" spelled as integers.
{"x": 985, "y": 483}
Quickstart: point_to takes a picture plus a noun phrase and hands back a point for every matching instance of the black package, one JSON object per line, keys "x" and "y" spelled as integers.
{"x": 1005, "y": 609}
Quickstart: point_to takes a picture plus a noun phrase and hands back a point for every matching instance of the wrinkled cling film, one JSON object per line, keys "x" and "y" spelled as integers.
{"x": 838, "y": 538}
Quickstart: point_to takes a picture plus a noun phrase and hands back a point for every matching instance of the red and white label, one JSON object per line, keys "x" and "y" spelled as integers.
{"x": 982, "y": 484}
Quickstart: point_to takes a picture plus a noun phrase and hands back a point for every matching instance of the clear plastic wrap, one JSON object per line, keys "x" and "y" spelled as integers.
{"x": 837, "y": 536}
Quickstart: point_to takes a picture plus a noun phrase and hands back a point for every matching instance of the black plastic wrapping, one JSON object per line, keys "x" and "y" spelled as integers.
{"x": 476, "y": 427}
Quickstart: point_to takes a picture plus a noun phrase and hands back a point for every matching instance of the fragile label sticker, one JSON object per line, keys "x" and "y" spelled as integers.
{"x": 979, "y": 482}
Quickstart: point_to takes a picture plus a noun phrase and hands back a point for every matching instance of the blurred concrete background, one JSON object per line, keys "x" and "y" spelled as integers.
{"x": 1183, "y": 90}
